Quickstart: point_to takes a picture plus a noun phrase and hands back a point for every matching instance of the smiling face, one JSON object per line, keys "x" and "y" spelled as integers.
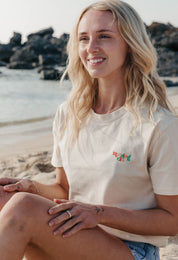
{"x": 102, "y": 50}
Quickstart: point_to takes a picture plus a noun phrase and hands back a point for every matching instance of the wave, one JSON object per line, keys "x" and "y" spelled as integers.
{"x": 25, "y": 121}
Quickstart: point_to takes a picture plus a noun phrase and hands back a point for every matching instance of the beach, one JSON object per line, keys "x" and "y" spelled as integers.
{"x": 31, "y": 157}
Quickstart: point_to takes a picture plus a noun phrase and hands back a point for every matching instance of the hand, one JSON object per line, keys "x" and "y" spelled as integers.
{"x": 12, "y": 184}
{"x": 72, "y": 216}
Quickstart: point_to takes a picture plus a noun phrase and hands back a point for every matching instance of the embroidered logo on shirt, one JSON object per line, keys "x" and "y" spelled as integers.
{"x": 122, "y": 157}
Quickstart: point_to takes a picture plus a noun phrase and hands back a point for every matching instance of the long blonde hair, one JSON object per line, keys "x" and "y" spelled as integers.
{"x": 142, "y": 82}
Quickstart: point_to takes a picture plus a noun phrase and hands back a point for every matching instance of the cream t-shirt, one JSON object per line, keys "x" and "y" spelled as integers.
{"x": 109, "y": 164}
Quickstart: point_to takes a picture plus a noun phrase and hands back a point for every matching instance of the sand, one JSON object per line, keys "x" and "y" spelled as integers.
{"x": 32, "y": 159}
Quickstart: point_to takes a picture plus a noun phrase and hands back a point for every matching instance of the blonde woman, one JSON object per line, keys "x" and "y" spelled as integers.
{"x": 115, "y": 149}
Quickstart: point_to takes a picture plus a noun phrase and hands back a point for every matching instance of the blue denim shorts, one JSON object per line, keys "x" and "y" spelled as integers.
{"x": 143, "y": 251}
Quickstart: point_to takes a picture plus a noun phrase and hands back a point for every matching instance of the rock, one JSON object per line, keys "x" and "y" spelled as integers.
{"x": 5, "y": 52}
{"x": 45, "y": 67}
{"x": 170, "y": 83}
{"x": 2, "y": 63}
{"x": 51, "y": 59}
{"x": 25, "y": 54}
{"x": 156, "y": 29}
{"x": 169, "y": 41}
{"x": 20, "y": 65}
{"x": 16, "y": 39}
{"x": 52, "y": 74}
{"x": 42, "y": 33}
{"x": 49, "y": 74}
{"x": 167, "y": 62}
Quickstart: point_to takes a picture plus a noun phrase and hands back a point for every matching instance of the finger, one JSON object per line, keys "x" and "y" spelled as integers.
{"x": 60, "y": 207}
{"x": 13, "y": 187}
{"x": 74, "y": 230}
{"x": 6, "y": 181}
{"x": 58, "y": 201}
{"x": 66, "y": 226}
{"x": 59, "y": 219}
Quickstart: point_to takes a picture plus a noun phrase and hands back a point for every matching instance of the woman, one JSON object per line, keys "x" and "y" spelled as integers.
{"x": 114, "y": 152}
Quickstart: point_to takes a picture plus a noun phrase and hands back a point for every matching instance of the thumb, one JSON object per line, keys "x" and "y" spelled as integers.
{"x": 13, "y": 187}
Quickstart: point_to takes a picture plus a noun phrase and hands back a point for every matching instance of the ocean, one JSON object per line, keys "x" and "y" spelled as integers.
{"x": 28, "y": 104}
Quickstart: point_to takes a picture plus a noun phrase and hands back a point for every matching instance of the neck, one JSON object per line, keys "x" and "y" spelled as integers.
{"x": 111, "y": 96}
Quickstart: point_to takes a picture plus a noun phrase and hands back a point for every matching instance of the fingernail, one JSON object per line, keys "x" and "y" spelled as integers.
{"x": 50, "y": 211}
{"x": 51, "y": 224}
{"x": 56, "y": 232}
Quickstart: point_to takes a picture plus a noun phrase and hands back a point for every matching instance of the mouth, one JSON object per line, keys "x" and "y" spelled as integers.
{"x": 95, "y": 61}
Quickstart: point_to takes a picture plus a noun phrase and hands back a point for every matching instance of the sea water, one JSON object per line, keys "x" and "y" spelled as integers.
{"x": 27, "y": 104}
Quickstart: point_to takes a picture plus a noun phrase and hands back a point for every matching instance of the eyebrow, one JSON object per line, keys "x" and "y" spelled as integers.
{"x": 99, "y": 31}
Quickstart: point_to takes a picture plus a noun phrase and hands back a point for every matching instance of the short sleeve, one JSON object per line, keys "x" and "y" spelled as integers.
{"x": 56, "y": 160}
{"x": 163, "y": 158}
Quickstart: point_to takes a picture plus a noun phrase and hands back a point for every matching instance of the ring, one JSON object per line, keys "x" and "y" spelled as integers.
{"x": 68, "y": 212}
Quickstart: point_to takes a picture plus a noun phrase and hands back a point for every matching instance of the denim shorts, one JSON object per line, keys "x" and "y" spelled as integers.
{"x": 143, "y": 251}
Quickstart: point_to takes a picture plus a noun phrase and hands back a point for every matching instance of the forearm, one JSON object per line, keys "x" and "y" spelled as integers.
{"x": 143, "y": 222}
{"x": 50, "y": 191}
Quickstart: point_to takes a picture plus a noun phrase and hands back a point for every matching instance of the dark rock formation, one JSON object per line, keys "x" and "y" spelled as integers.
{"x": 47, "y": 74}
{"x": 20, "y": 65}
{"x": 165, "y": 39}
{"x": 2, "y": 64}
{"x": 47, "y": 52}
{"x": 170, "y": 83}
{"x": 41, "y": 33}
{"x": 5, "y": 52}
{"x": 16, "y": 39}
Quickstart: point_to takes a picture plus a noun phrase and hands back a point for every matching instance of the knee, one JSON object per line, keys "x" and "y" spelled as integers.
{"x": 20, "y": 206}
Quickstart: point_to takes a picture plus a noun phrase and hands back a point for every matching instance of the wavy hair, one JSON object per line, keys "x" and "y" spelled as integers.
{"x": 142, "y": 82}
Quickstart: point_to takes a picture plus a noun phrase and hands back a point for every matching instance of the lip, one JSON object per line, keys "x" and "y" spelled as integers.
{"x": 96, "y": 60}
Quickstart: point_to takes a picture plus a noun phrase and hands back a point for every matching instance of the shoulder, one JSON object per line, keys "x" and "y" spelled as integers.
{"x": 161, "y": 118}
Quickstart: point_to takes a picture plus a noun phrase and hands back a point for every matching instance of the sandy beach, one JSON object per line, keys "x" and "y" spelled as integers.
{"x": 31, "y": 158}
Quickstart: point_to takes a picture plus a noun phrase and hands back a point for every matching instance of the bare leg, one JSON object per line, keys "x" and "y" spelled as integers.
{"x": 4, "y": 197}
{"x": 25, "y": 221}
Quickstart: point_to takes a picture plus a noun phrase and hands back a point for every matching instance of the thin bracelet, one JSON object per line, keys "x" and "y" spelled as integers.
{"x": 37, "y": 190}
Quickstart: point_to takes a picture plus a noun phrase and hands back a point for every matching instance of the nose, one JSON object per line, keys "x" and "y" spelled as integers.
{"x": 93, "y": 46}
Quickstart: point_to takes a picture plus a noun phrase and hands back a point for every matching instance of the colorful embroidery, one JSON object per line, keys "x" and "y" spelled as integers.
{"x": 122, "y": 157}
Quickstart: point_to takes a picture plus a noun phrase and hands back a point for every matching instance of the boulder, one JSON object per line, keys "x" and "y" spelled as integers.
{"x": 25, "y": 54}
{"x": 5, "y": 52}
{"x": 167, "y": 62}
{"x": 2, "y": 63}
{"x": 20, "y": 65}
{"x": 16, "y": 39}
{"x": 170, "y": 83}
{"x": 49, "y": 74}
{"x": 169, "y": 41}
{"x": 52, "y": 74}
{"x": 42, "y": 33}
{"x": 51, "y": 59}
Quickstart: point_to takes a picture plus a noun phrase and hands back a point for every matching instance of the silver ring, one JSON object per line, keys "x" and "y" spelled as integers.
{"x": 68, "y": 212}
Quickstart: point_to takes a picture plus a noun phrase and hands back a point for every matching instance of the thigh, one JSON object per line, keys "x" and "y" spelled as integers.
{"x": 86, "y": 244}
{"x": 4, "y": 196}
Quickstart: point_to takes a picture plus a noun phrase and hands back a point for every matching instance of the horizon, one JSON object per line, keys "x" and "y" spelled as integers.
{"x": 30, "y": 16}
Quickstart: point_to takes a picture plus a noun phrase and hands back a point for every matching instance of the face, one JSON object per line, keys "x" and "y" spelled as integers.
{"x": 102, "y": 50}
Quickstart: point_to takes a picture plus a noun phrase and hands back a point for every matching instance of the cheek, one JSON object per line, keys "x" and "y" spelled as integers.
{"x": 81, "y": 54}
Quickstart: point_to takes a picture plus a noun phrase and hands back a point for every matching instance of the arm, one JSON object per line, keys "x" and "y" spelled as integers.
{"x": 160, "y": 221}
{"x": 59, "y": 189}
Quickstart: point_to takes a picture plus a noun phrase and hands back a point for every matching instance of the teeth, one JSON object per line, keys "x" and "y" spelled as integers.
{"x": 95, "y": 61}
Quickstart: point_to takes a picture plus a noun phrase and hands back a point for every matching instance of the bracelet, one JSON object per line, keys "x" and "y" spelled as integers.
{"x": 37, "y": 190}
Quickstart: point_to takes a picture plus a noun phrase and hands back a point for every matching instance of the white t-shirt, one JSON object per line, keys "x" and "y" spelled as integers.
{"x": 111, "y": 165}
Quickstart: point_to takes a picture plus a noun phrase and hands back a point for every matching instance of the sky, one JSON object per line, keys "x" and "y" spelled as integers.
{"x": 28, "y": 16}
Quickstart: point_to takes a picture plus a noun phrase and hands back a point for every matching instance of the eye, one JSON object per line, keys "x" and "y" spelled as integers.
{"x": 104, "y": 36}
{"x": 83, "y": 38}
